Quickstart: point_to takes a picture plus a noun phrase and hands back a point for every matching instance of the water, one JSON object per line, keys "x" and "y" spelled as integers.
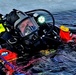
{"x": 24, "y": 5}
{"x": 65, "y": 17}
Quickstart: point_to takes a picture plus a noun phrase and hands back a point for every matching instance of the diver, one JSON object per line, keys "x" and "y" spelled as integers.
{"x": 24, "y": 32}
{"x": 26, "y": 35}
{"x": 23, "y": 35}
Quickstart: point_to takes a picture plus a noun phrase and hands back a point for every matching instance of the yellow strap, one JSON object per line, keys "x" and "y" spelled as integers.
{"x": 9, "y": 60}
{"x": 2, "y": 29}
{"x": 47, "y": 51}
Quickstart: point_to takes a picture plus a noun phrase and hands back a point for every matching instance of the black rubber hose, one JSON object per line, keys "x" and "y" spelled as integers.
{"x": 42, "y": 10}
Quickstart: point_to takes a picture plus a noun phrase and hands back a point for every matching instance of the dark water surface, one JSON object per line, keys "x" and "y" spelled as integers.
{"x": 65, "y": 17}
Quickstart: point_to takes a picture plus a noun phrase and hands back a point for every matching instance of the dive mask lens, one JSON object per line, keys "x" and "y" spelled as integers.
{"x": 27, "y": 27}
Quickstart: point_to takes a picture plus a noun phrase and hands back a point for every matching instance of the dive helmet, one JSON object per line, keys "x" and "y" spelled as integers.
{"x": 15, "y": 17}
{"x": 20, "y": 19}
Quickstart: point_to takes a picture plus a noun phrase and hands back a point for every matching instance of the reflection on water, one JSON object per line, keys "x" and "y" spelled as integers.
{"x": 65, "y": 17}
